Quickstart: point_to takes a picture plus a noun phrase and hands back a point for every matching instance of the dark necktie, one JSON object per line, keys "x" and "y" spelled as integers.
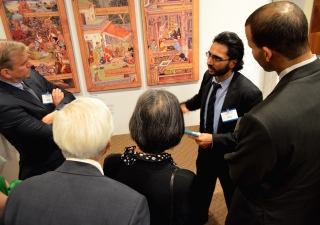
{"x": 29, "y": 90}
{"x": 210, "y": 108}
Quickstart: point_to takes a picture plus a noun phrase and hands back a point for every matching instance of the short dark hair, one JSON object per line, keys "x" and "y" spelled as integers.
{"x": 285, "y": 33}
{"x": 235, "y": 47}
{"x": 157, "y": 122}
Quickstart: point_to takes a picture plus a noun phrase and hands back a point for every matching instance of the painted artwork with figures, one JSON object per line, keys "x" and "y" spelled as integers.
{"x": 171, "y": 38}
{"x": 108, "y": 43}
{"x": 42, "y": 26}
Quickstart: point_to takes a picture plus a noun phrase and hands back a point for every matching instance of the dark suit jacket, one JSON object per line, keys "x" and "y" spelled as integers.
{"x": 277, "y": 161}
{"x": 242, "y": 94}
{"x": 76, "y": 193}
{"x": 152, "y": 179}
{"x": 21, "y": 125}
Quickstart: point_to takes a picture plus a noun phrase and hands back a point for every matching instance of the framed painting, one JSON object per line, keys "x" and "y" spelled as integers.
{"x": 42, "y": 26}
{"x": 171, "y": 38}
{"x": 108, "y": 42}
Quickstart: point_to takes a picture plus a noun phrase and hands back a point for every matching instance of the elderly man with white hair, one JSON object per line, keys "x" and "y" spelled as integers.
{"x": 78, "y": 192}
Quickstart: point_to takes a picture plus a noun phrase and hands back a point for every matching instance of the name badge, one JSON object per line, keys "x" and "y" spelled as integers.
{"x": 47, "y": 98}
{"x": 229, "y": 115}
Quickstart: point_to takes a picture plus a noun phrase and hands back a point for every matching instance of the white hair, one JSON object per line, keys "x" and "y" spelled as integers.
{"x": 83, "y": 128}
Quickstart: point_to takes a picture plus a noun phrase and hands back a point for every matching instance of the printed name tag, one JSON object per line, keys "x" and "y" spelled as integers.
{"x": 229, "y": 115}
{"x": 47, "y": 98}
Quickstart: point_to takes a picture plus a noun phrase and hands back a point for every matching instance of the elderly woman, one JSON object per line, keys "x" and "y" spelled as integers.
{"x": 156, "y": 125}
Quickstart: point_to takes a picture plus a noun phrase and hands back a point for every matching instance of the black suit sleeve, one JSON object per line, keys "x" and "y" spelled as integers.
{"x": 15, "y": 118}
{"x": 68, "y": 97}
{"x": 255, "y": 155}
{"x": 195, "y": 102}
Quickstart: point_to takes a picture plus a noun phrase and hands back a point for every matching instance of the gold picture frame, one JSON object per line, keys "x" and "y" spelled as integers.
{"x": 108, "y": 43}
{"x": 171, "y": 38}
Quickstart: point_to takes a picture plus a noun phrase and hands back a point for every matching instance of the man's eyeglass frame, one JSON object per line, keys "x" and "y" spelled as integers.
{"x": 216, "y": 58}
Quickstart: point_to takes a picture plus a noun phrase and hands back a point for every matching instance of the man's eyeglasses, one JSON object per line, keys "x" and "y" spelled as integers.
{"x": 215, "y": 58}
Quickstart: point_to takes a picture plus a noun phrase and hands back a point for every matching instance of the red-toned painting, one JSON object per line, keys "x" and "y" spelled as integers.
{"x": 108, "y": 43}
{"x": 42, "y": 25}
{"x": 171, "y": 38}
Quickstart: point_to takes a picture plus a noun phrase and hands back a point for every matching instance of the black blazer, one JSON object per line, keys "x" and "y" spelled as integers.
{"x": 21, "y": 125}
{"x": 76, "y": 193}
{"x": 242, "y": 94}
{"x": 152, "y": 179}
{"x": 276, "y": 164}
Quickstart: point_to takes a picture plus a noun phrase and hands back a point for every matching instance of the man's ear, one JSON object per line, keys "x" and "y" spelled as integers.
{"x": 233, "y": 63}
{"x": 5, "y": 73}
{"x": 107, "y": 147}
{"x": 267, "y": 53}
{"x": 104, "y": 152}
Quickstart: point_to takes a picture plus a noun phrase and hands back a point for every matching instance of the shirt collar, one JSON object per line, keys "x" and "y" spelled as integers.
{"x": 89, "y": 161}
{"x": 295, "y": 66}
{"x": 224, "y": 84}
{"x": 17, "y": 85}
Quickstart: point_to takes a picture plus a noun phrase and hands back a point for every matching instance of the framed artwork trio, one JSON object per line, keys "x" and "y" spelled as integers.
{"x": 107, "y": 34}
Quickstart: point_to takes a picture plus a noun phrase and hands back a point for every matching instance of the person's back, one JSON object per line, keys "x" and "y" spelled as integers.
{"x": 156, "y": 125}
{"x": 79, "y": 196}
{"x": 290, "y": 191}
{"x": 153, "y": 181}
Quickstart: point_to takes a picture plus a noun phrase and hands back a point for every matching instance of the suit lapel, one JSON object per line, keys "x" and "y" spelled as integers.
{"x": 31, "y": 85}
{"x": 21, "y": 94}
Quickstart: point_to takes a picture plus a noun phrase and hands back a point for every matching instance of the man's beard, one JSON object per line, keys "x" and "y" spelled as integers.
{"x": 220, "y": 72}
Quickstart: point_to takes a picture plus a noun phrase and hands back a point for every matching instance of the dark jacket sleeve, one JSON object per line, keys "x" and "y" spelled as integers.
{"x": 195, "y": 102}
{"x": 246, "y": 163}
{"x": 14, "y": 119}
{"x": 68, "y": 97}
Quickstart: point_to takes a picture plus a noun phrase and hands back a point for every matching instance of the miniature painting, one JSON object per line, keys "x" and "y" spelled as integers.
{"x": 108, "y": 43}
{"x": 171, "y": 39}
{"x": 42, "y": 26}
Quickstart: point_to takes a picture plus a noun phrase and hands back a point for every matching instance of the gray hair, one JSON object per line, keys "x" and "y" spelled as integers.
{"x": 7, "y": 49}
{"x": 83, "y": 128}
{"x": 157, "y": 122}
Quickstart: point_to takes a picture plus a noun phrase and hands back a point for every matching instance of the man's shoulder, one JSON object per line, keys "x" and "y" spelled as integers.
{"x": 244, "y": 82}
{"x": 34, "y": 75}
{"x": 53, "y": 181}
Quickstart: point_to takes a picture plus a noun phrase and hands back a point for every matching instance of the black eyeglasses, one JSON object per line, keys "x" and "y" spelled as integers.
{"x": 215, "y": 58}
